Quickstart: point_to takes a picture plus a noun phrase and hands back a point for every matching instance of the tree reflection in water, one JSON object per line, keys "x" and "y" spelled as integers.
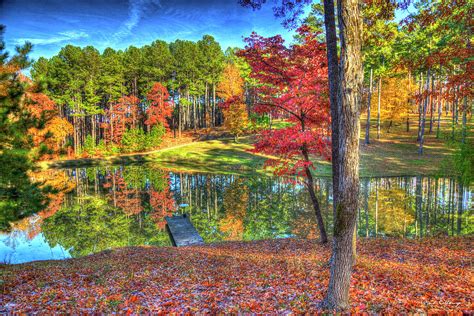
{"x": 108, "y": 207}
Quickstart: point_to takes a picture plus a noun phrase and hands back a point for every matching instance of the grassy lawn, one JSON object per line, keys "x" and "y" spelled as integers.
{"x": 394, "y": 154}
{"x": 222, "y": 156}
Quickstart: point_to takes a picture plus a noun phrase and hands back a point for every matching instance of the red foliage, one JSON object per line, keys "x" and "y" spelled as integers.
{"x": 293, "y": 86}
{"x": 285, "y": 276}
{"x": 123, "y": 196}
{"x": 40, "y": 105}
{"x": 160, "y": 108}
{"x": 120, "y": 117}
{"x": 162, "y": 203}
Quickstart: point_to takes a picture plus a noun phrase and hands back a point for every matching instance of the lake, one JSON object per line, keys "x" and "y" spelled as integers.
{"x": 101, "y": 208}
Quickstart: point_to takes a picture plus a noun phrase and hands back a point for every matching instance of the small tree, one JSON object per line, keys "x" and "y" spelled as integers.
{"x": 235, "y": 116}
{"x": 160, "y": 108}
{"x": 293, "y": 85}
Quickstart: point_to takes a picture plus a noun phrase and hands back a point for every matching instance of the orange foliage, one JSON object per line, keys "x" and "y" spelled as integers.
{"x": 235, "y": 204}
{"x": 285, "y": 276}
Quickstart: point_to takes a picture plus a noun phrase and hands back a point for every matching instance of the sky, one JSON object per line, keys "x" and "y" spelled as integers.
{"x": 52, "y": 24}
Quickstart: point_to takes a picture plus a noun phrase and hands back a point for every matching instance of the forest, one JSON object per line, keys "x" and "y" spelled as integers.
{"x": 331, "y": 172}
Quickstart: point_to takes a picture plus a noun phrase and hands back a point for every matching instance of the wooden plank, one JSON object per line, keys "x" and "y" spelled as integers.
{"x": 182, "y": 231}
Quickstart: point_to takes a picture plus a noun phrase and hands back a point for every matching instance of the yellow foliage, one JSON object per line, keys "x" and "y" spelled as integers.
{"x": 236, "y": 118}
{"x": 235, "y": 204}
{"x": 53, "y": 134}
{"x": 394, "y": 213}
{"x": 396, "y": 97}
{"x": 231, "y": 84}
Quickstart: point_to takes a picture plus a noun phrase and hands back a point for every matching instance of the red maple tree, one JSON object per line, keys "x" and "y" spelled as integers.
{"x": 160, "y": 108}
{"x": 121, "y": 116}
{"x": 293, "y": 85}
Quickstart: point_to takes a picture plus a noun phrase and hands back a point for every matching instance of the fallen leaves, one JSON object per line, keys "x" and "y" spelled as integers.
{"x": 287, "y": 275}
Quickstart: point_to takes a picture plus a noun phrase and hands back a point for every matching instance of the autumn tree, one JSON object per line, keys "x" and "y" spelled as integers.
{"x": 231, "y": 89}
{"x": 345, "y": 76}
{"x": 19, "y": 195}
{"x": 396, "y": 100}
{"x": 293, "y": 84}
{"x": 236, "y": 198}
{"x": 159, "y": 108}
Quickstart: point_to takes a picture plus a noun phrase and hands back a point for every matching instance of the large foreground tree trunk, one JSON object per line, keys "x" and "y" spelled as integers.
{"x": 333, "y": 76}
{"x": 349, "y": 97}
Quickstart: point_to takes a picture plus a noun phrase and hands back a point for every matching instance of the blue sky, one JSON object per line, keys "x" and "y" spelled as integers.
{"x": 51, "y": 24}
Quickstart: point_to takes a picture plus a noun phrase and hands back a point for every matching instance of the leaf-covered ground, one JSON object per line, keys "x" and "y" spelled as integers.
{"x": 264, "y": 276}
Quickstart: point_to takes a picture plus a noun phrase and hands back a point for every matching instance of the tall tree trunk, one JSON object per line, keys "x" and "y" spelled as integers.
{"x": 74, "y": 123}
{"x": 94, "y": 137}
{"x": 378, "y": 107}
{"x": 454, "y": 111}
{"x": 419, "y": 203}
{"x": 420, "y": 107}
{"x": 349, "y": 96}
{"x": 431, "y": 106}
{"x": 460, "y": 206}
{"x": 367, "y": 125}
{"x": 376, "y": 208}
{"x": 333, "y": 77}
{"x": 440, "y": 110}
{"x": 425, "y": 108}
{"x": 179, "y": 117}
{"x": 194, "y": 114}
{"x": 314, "y": 200}
{"x": 464, "y": 120}
{"x": 213, "y": 104}
{"x": 206, "y": 108}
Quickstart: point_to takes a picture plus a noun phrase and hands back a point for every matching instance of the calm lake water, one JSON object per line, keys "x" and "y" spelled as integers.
{"x": 106, "y": 207}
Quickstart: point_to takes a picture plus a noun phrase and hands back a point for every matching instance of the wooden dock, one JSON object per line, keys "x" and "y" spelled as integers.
{"x": 182, "y": 231}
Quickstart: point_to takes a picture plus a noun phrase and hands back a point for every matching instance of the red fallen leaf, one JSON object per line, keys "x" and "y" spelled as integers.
{"x": 133, "y": 298}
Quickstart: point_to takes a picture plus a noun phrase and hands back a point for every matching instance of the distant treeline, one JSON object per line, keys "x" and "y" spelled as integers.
{"x": 85, "y": 83}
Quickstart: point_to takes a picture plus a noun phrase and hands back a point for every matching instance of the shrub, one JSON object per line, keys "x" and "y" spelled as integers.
{"x": 133, "y": 140}
{"x": 155, "y": 137}
{"x": 89, "y": 145}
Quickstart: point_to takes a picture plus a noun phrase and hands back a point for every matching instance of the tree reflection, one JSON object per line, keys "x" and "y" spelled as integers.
{"x": 99, "y": 208}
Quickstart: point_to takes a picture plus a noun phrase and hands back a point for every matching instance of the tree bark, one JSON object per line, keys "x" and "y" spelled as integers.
{"x": 460, "y": 206}
{"x": 464, "y": 121}
{"x": 333, "y": 77}
{"x": 314, "y": 200}
{"x": 431, "y": 107}
{"x": 367, "y": 125}
{"x": 440, "y": 110}
{"x": 213, "y": 104}
{"x": 423, "y": 118}
{"x": 347, "y": 199}
{"x": 378, "y": 107}
{"x": 420, "y": 107}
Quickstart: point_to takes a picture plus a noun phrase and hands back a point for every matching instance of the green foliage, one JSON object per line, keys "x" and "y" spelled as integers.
{"x": 155, "y": 137}
{"x": 92, "y": 225}
{"x": 258, "y": 121}
{"x": 89, "y": 145}
{"x": 464, "y": 163}
{"x": 19, "y": 196}
{"x": 134, "y": 140}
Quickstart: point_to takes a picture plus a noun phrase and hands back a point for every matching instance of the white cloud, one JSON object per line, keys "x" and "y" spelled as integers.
{"x": 136, "y": 10}
{"x": 53, "y": 39}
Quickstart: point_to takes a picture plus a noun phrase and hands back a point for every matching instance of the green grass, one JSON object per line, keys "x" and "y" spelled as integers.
{"x": 222, "y": 156}
{"x": 394, "y": 154}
